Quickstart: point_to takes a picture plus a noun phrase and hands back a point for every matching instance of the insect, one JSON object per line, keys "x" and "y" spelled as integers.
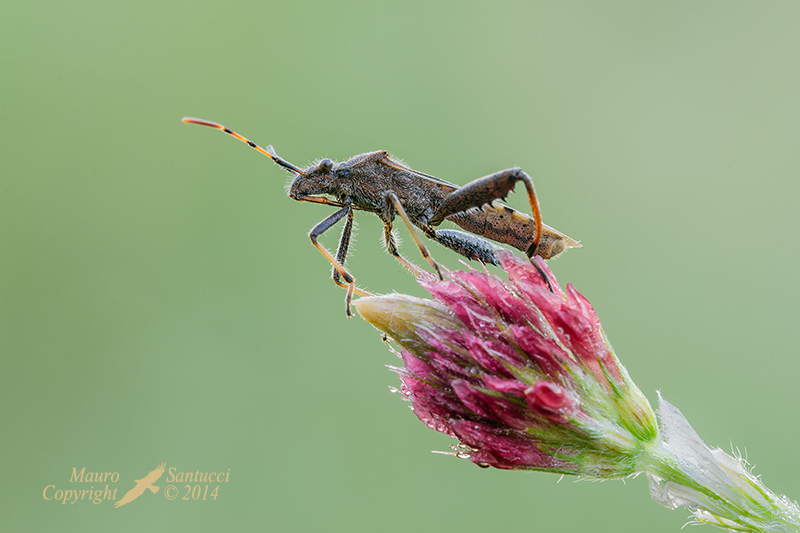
{"x": 376, "y": 183}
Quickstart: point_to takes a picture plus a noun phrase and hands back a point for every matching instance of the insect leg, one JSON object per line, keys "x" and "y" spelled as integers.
{"x": 318, "y": 230}
{"x": 341, "y": 254}
{"x": 393, "y": 206}
{"x": 466, "y": 244}
{"x": 475, "y": 248}
{"x": 344, "y": 245}
{"x": 391, "y": 247}
{"x": 484, "y": 191}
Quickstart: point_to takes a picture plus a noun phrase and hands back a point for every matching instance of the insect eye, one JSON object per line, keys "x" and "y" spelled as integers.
{"x": 325, "y": 165}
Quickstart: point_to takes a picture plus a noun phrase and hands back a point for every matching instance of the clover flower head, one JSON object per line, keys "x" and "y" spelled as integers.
{"x": 519, "y": 371}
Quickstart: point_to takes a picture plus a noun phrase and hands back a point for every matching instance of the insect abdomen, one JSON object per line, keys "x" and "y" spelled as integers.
{"x": 500, "y": 223}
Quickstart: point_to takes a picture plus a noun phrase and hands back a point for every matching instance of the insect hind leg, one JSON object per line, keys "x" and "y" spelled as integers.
{"x": 466, "y": 244}
{"x": 475, "y": 248}
{"x": 487, "y": 189}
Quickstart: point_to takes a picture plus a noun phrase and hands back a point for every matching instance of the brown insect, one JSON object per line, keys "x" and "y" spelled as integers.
{"x": 376, "y": 183}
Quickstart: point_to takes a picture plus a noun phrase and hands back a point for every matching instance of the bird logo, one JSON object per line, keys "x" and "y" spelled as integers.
{"x": 142, "y": 484}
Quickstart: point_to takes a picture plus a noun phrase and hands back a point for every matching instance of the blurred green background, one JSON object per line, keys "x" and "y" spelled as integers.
{"x": 160, "y": 301}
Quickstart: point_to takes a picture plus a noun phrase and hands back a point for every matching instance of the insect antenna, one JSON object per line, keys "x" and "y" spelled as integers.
{"x": 268, "y": 151}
